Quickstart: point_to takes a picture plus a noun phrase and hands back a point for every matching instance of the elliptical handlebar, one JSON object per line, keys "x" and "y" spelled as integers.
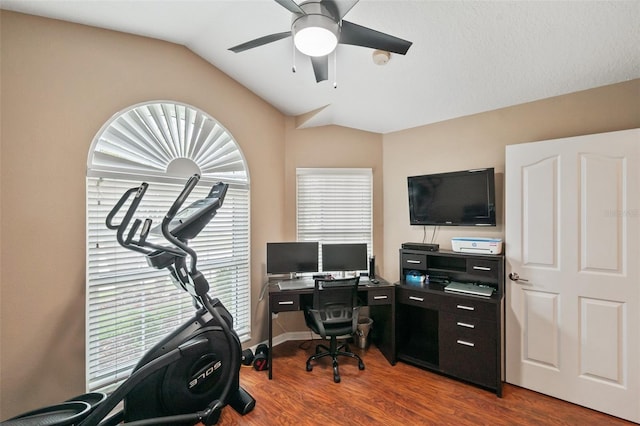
{"x": 124, "y": 223}
{"x": 188, "y": 187}
{"x": 140, "y": 245}
{"x": 171, "y": 213}
{"x": 140, "y": 190}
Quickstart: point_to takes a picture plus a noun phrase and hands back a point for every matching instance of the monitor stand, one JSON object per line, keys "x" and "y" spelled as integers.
{"x": 345, "y": 274}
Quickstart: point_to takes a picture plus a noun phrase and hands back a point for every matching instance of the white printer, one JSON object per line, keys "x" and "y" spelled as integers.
{"x": 477, "y": 245}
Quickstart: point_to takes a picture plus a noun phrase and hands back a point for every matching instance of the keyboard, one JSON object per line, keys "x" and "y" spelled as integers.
{"x": 300, "y": 284}
{"x": 469, "y": 288}
{"x": 295, "y": 284}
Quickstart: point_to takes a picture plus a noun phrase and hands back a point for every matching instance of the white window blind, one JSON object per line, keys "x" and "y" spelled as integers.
{"x": 335, "y": 206}
{"x": 130, "y": 305}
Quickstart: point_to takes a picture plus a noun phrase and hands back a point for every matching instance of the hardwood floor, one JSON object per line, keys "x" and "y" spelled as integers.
{"x": 389, "y": 395}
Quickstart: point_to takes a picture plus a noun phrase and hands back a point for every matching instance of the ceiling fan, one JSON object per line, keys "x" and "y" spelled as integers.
{"x": 317, "y": 27}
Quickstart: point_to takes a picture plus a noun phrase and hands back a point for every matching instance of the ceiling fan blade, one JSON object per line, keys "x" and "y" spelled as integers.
{"x": 358, "y": 35}
{"x": 320, "y": 67}
{"x": 260, "y": 41}
{"x": 292, "y": 6}
{"x": 339, "y": 8}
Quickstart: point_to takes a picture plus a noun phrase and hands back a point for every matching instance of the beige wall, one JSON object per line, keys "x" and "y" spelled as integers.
{"x": 61, "y": 82}
{"x": 479, "y": 141}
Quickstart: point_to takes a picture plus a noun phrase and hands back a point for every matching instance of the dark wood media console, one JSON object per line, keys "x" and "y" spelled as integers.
{"x": 455, "y": 334}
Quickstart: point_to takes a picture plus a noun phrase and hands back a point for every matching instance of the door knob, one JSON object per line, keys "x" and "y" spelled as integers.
{"x": 513, "y": 276}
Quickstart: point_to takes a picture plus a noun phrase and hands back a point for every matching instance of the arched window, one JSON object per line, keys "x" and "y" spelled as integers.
{"x": 130, "y": 305}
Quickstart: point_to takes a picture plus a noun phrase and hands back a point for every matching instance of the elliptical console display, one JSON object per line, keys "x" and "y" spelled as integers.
{"x": 193, "y": 373}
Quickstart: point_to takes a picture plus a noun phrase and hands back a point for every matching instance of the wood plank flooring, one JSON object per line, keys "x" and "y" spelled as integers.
{"x": 389, "y": 395}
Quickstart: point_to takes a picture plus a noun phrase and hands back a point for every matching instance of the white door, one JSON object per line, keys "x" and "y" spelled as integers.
{"x": 572, "y": 320}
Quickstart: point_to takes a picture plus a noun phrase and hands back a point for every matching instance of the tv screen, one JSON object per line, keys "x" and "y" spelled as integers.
{"x": 344, "y": 257}
{"x": 292, "y": 257}
{"x": 464, "y": 198}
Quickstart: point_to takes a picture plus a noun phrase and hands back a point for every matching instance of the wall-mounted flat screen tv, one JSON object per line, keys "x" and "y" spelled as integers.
{"x": 464, "y": 198}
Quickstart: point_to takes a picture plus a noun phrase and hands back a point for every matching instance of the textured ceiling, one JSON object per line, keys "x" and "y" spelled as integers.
{"x": 467, "y": 56}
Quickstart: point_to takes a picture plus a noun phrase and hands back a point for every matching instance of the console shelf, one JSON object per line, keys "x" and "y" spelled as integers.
{"x": 455, "y": 334}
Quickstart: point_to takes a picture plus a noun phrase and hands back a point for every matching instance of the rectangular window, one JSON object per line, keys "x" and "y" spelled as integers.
{"x": 130, "y": 305}
{"x": 335, "y": 206}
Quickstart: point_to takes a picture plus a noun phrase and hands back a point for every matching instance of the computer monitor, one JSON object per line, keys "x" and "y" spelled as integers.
{"x": 344, "y": 257}
{"x": 292, "y": 257}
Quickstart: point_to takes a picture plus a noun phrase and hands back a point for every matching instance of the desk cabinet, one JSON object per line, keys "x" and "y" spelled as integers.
{"x": 454, "y": 334}
{"x": 468, "y": 349}
{"x": 382, "y": 309}
{"x": 417, "y": 327}
{"x": 469, "y": 342}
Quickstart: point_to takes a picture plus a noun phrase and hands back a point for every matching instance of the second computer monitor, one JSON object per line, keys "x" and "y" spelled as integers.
{"x": 344, "y": 257}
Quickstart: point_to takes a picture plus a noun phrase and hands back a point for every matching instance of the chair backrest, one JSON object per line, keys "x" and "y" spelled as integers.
{"x": 335, "y": 307}
{"x": 342, "y": 292}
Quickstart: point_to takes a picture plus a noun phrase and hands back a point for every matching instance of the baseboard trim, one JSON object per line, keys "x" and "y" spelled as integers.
{"x": 294, "y": 335}
{"x": 291, "y": 335}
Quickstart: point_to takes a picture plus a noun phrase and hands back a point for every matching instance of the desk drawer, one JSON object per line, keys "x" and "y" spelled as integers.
{"x": 381, "y": 296}
{"x": 483, "y": 268}
{"x": 418, "y": 298}
{"x": 470, "y": 307}
{"x": 414, "y": 261}
{"x": 284, "y": 302}
{"x": 459, "y": 326}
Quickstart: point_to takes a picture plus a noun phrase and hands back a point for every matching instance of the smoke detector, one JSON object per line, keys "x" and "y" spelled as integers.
{"x": 381, "y": 57}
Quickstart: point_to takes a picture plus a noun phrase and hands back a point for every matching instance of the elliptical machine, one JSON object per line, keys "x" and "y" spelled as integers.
{"x": 193, "y": 373}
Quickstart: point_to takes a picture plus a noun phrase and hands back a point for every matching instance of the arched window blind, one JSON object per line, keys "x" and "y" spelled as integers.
{"x": 335, "y": 205}
{"x": 130, "y": 306}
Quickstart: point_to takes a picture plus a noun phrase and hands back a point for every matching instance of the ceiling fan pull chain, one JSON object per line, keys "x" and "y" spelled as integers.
{"x": 335, "y": 61}
{"x": 335, "y": 69}
{"x": 293, "y": 67}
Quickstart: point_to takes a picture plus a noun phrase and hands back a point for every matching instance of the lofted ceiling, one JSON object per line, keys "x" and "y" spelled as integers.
{"x": 467, "y": 57}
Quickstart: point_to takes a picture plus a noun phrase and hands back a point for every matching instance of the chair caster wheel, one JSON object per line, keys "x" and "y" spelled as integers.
{"x": 309, "y": 367}
{"x": 361, "y": 365}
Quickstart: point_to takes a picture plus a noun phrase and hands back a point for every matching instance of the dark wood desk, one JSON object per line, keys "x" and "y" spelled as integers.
{"x": 379, "y": 297}
{"x": 457, "y": 334}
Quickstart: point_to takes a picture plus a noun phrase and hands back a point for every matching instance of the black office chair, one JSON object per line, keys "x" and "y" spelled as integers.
{"x": 334, "y": 313}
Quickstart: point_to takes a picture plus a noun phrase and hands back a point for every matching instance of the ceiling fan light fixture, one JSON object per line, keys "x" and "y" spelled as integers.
{"x": 315, "y": 35}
